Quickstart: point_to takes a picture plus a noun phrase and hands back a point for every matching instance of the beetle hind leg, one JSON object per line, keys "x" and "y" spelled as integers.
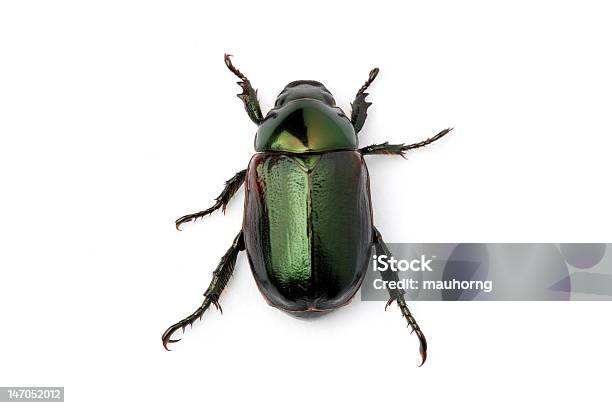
{"x": 397, "y": 295}
{"x": 220, "y": 278}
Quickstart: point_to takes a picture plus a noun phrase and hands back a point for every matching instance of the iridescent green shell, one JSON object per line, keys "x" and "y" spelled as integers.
{"x": 308, "y": 227}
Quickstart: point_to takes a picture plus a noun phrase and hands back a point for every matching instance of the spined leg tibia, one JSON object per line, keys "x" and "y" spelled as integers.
{"x": 398, "y": 295}
{"x": 220, "y": 278}
{"x": 231, "y": 186}
{"x": 359, "y": 107}
{"x": 248, "y": 95}
{"x": 386, "y": 148}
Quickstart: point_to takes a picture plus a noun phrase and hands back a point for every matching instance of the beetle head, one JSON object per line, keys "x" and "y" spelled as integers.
{"x": 304, "y": 90}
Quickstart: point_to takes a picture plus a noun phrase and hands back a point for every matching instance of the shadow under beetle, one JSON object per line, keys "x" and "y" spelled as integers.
{"x": 307, "y": 229}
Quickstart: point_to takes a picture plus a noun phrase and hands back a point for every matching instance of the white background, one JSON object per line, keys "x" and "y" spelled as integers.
{"x": 117, "y": 117}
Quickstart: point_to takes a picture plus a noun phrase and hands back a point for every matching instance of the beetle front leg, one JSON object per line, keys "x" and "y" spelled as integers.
{"x": 220, "y": 278}
{"x": 248, "y": 95}
{"x": 231, "y": 186}
{"x": 386, "y": 148}
{"x": 398, "y": 296}
{"x": 359, "y": 107}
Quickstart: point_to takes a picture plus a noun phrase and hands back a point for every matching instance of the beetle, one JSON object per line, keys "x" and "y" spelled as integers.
{"x": 308, "y": 228}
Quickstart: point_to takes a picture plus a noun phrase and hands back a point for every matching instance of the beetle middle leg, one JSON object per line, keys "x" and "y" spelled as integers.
{"x": 220, "y": 278}
{"x": 398, "y": 295}
{"x": 231, "y": 186}
{"x": 386, "y": 148}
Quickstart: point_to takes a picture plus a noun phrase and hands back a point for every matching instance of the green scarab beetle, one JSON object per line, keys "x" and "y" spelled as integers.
{"x": 308, "y": 229}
